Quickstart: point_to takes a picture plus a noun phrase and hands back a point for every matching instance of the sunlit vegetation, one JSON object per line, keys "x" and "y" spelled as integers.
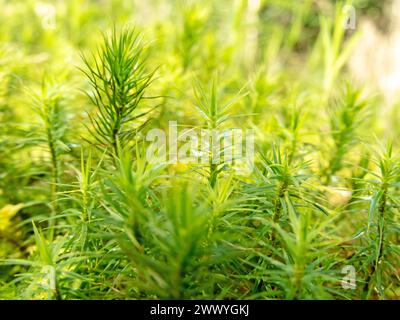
{"x": 86, "y": 214}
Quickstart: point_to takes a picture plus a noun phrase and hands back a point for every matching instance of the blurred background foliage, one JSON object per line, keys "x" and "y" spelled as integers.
{"x": 64, "y": 214}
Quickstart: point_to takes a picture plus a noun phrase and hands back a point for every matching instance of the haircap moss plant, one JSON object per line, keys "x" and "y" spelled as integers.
{"x": 48, "y": 104}
{"x": 214, "y": 114}
{"x": 347, "y": 116}
{"x": 382, "y": 216}
{"x": 119, "y": 81}
{"x": 88, "y": 212}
